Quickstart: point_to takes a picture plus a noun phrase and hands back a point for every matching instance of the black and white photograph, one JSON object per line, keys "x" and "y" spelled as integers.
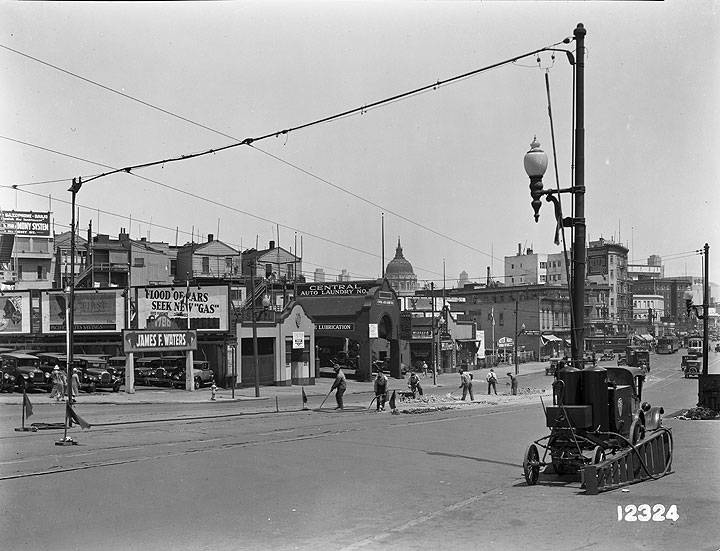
{"x": 353, "y": 275}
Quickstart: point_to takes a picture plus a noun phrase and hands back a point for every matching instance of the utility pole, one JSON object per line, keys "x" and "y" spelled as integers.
{"x": 579, "y": 225}
{"x": 432, "y": 332}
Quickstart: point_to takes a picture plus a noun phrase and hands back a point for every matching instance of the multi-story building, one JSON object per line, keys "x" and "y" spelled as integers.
{"x": 543, "y": 309}
{"x": 62, "y": 264}
{"x": 531, "y": 268}
{"x": 607, "y": 265}
{"x": 209, "y": 262}
{"x": 653, "y": 269}
{"x": 647, "y": 313}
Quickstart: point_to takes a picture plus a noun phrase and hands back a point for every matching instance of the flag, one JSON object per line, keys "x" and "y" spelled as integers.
{"x": 392, "y": 400}
{"x": 28, "y": 406}
{"x": 304, "y": 396}
{"x": 74, "y": 417}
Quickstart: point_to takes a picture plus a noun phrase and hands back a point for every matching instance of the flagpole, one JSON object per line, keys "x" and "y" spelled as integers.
{"x": 25, "y": 402}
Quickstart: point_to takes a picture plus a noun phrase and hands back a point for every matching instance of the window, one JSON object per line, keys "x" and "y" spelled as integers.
{"x": 173, "y": 267}
{"x": 543, "y": 265}
{"x": 502, "y": 319}
{"x": 139, "y": 262}
{"x": 228, "y": 264}
{"x": 512, "y": 266}
{"x": 205, "y": 264}
{"x": 40, "y": 272}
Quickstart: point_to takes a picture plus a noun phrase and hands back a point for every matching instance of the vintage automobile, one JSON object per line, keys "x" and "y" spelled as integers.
{"x": 607, "y": 355}
{"x": 635, "y": 356}
{"x": 7, "y": 380}
{"x": 144, "y": 369}
{"x": 94, "y": 374}
{"x": 25, "y": 369}
{"x": 202, "y": 375}
{"x": 117, "y": 365}
{"x": 552, "y": 367}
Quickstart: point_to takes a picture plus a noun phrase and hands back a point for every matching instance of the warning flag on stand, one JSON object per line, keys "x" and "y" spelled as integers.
{"x": 75, "y": 418}
{"x": 392, "y": 400}
{"x": 28, "y": 405}
{"x": 304, "y": 396}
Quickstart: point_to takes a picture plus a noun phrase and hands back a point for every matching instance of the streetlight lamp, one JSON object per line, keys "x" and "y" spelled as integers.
{"x": 535, "y": 162}
{"x": 515, "y": 351}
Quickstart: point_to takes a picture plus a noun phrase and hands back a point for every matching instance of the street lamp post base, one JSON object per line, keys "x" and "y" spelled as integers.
{"x": 26, "y": 429}
{"x": 67, "y": 441}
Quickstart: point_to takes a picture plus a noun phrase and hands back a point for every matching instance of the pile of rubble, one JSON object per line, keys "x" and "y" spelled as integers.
{"x": 430, "y": 404}
{"x": 699, "y": 414}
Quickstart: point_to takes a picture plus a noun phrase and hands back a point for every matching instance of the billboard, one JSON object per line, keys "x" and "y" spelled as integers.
{"x": 96, "y": 311}
{"x": 20, "y": 222}
{"x": 14, "y": 312}
{"x": 169, "y": 307}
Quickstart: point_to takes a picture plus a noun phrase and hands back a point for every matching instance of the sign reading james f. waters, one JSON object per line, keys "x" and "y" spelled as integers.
{"x": 143, "y": 341}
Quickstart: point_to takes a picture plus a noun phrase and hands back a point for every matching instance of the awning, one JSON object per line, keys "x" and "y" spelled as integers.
{"x": 550, "y": 338}
{"x": 644, "y": 337}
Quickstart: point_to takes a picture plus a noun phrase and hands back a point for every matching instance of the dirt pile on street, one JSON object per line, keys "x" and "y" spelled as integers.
{"x": 430, "y": 404}
{"x": 699, "y": 414}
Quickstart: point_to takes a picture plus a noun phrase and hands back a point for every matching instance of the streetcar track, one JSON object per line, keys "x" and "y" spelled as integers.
{"x": 318, "y": 433}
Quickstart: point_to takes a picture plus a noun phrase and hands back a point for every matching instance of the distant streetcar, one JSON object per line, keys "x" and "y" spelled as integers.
{"x": 667, "y": 344}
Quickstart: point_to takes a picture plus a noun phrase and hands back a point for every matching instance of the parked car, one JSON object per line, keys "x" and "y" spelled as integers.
{"x": 607, "y": 355}
{"x": 7, "y": 380}
{"x": 144, "y": 368}
{"x": 94, "y": 374}
{"x": 202, "y": 375}
{"x": 117, "y": 365}
{"x": 25, "y": 368}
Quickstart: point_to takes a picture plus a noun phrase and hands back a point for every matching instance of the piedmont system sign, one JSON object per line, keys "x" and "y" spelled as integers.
{"x": 159, "y": 341}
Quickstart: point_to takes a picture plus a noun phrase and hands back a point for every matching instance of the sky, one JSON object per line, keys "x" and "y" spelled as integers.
{"x": 87, "y": 87}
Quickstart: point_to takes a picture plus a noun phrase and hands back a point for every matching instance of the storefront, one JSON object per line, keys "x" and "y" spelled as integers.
{"x": 356, "y": 324}
{"x": 285, "y": 344}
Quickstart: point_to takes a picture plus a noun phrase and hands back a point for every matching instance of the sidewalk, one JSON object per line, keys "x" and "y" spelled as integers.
{"x": 158, "y": 395}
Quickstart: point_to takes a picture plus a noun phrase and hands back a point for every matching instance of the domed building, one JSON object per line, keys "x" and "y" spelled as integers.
{"x": 400, "y": 274}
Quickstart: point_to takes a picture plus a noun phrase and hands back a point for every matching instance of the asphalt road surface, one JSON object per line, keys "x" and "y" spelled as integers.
{"x": 218, "y": 477}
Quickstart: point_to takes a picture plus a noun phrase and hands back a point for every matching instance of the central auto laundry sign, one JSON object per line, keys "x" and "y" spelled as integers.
{"x": 332, "y": 289}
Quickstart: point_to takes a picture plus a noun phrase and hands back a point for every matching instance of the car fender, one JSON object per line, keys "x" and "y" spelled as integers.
{"x": 653, "y": 417}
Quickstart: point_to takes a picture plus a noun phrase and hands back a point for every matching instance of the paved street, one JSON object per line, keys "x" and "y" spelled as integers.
{"x": 236, "y": 475}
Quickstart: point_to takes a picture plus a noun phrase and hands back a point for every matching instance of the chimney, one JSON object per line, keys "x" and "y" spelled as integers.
{"x": 272, "y": 245}
{"x": 519, "y": 249}
{"x": 487, "y": 283}
{"x": 210, "y": 237}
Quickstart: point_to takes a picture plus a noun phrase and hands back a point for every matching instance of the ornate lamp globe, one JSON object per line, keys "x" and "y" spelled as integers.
{"x": 535, "y": 162}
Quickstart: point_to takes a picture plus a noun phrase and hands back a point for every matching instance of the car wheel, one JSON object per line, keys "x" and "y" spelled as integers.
{"x": 91, "y": 388}
{"x": 116, "y": 388}
{"x": 197, "y": 384}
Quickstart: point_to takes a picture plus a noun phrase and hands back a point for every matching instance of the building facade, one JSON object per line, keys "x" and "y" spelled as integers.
{"x": 607, "y": 265}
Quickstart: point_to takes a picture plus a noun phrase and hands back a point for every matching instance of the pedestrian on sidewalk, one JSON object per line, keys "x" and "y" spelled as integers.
{"x": 513, "y": 384}
{"x": 424, "y": 368}
{"x": 380, "y": 391}
{"x": 491, "y": 379}
{"x": 57, "y": 389}
{"x": 74, "y": 385}
{"x": 339, "y": 385}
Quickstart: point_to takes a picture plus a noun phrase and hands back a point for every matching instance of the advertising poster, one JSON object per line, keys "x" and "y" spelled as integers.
{"x": 170, "y": 307}
{"x": 480, "y": 341}
{"x": 25, "y": 223}
{"x": 14, "y": 312}
{"x": 96, "y": 311}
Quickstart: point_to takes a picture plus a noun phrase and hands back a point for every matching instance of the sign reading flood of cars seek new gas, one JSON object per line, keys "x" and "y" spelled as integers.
{"x": 169, "y": 307}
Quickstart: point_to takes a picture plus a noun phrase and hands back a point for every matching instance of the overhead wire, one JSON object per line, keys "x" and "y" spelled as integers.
{"x": 249, "y": 141}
